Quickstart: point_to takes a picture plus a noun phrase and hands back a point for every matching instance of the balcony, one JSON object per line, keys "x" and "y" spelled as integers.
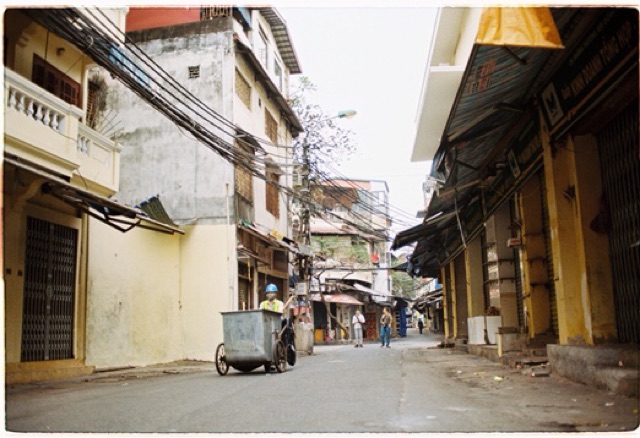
{"x": 47, "y": 131}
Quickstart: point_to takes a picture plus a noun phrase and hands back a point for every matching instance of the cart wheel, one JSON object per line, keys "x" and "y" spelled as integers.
{"x": 281, "y": 357}
{"x": 221, "y": 361}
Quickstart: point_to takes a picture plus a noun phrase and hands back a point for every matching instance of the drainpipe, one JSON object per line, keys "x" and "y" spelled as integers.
{"x": 229, "y": 266}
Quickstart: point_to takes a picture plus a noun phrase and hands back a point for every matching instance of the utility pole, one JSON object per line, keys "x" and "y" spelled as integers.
{"x": 304, "y": 329}
{"x": 305, "y": 220}
{"x": 305, "y": 254}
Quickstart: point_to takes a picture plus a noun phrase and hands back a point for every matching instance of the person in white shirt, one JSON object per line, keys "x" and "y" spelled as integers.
{"x": 357, "y": 321}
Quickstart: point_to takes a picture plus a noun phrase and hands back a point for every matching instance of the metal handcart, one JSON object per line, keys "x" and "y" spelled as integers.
{"x": 252, "y": 338}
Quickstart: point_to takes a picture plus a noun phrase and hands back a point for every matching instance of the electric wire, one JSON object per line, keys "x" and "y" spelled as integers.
{"x": 201, "y": 105}
{"x": 129, "y": 76}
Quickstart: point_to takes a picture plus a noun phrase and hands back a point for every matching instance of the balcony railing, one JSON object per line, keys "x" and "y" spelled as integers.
{"x": 47, "y": 131}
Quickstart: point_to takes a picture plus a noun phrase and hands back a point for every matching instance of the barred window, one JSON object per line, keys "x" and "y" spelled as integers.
{"x": 243, "y": 89}
{"x": 214, "y": 12}
{"x": 194, "y": 72}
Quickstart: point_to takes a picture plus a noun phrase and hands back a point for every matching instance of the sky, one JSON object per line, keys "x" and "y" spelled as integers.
{"x": 370, "y": 59}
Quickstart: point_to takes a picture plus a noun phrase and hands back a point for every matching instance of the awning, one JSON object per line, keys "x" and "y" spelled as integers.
{"x": 413, "y": 234}
{"x": 116, "y": 215}
{"x": 336, "y": 298}
{"x": 492, "y": 109}
{"x": 272, "y": 238}
{"x": 531, "y": 27}
{"x": 366, "y": 290}
{"x": 428, "y": 299}
{"x": 155, "y": 210}
{"x": 402, "y": 267}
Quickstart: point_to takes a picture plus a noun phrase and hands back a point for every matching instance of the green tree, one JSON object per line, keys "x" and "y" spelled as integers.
{"x": 404, "y": 285}
{"x": 326, "y": 140}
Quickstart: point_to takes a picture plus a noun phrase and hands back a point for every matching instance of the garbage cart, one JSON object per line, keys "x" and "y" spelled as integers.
{"x": 252, "y": 338}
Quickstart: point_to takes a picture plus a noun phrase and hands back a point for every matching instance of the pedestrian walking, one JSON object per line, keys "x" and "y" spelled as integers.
{"x": 420, "y": 322}
{"x": 385, "y": 328}
{"x": 357, "y": 321}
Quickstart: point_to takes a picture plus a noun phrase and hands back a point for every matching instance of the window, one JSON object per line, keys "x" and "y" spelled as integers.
{"x": 214, "y": 12}
{"x": 243, "y": 89}
{"x": 55, "y": 82}
{"x": 194, "y": 72}
{"x": 270, "y": 126}
{"x": 277, "y": 73}
{"x": 243, "y": 178}
{"x": 273, "y": 204}
{"x": 262, "y": 49}
{"x": 96, "y": 101}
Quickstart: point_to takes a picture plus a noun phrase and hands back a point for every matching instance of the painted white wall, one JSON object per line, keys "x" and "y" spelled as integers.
{"x": 455, "y": 31}
{"x": 133, "y": 297}
{"x": 157, "y": 298}
{"x": 208, "y": 287}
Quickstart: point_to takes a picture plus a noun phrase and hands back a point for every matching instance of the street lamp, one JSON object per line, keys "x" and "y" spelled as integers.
{"x": 346, "y": 114}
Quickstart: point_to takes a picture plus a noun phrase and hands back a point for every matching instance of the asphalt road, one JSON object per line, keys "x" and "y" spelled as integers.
{"x": 407, "y": 388}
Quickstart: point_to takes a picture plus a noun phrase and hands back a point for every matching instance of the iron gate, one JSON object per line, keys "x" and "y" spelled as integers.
{"x": 551, "y": 276}
{"x": 516, "y": 231}
{"x": 620, "y": 160}
{"x": 49, "y": 291}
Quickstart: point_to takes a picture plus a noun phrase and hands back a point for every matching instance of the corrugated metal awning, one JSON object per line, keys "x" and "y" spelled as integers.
{"x": 116, "y": 215}
{"x": 497, "y": 94}
{"x": 268, "y": 238}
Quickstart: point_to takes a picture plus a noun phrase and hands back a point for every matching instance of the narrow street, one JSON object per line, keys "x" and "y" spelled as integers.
{"x": 410, "y": 387}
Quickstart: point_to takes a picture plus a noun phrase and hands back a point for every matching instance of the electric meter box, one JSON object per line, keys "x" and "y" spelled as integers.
{"x": 302, "y": 289}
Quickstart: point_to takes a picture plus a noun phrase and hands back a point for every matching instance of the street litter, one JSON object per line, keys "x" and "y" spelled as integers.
{"x": 609, "y": 404}
{"x": 540, "y": 371}
{"x": 498, "y": 379}
{"x": 458, "y": 372}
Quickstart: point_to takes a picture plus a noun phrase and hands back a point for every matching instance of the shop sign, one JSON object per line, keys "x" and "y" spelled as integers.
{"x": 599, "y": 59}
{"x": 523, "y": 151}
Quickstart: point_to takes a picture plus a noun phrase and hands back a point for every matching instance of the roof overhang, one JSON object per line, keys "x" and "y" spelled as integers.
{"x": 428, "y": 227}
{"x": 270, "y": 238}
{"x": 443, "y": 83}
{"x": 492, "y": 111}
{"x": 119, "y": 216}
{"x": 283, "y": 40}
{"x": 444, "y": 72}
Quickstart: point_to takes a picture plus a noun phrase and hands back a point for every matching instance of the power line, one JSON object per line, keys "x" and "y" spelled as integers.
{"x": 82, "y": 32}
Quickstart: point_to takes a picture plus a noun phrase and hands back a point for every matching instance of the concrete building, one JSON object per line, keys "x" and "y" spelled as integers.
{"x": 59, "y": 171}
{"x": 86, "y": 163}
{"x": 352, "y": 252}
{"x": 237, "y": 62}
{"x": 533, "y": 230}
